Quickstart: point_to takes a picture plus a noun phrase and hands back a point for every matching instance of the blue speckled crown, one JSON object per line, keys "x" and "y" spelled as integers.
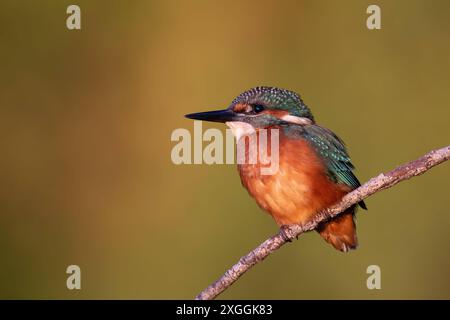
{"x": 275, "y": 98}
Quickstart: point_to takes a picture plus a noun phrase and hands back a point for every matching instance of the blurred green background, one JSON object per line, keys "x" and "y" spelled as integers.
{"x": 85, "y": 124}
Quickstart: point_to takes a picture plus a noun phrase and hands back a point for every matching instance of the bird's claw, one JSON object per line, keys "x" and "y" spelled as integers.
{"x": 285, "y": 233}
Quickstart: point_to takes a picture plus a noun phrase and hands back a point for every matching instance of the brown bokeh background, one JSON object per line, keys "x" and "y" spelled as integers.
{"x": 85, "y": 124}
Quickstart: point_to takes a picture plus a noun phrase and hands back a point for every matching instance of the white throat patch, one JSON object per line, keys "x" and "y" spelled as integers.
{"x": 240, "y": 129}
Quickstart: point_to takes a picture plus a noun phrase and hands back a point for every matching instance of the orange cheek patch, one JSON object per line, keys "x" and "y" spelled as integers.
{"x": 276, "y": 113}
{"x": 242, "y": 107}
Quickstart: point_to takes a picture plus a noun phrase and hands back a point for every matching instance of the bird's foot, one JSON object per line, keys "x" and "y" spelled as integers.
{"x": 285, "y": 233}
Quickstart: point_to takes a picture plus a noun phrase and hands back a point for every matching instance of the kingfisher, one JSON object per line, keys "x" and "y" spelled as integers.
{"x": 315, "y": 170}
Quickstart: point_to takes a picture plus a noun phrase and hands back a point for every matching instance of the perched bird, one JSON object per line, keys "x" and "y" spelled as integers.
{"x": 314, "y": 171}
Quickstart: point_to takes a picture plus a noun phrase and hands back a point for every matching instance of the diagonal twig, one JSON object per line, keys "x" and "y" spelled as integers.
{"x": 376, "y": 184}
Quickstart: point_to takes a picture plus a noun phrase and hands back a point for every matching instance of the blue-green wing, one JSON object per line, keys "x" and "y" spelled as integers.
{"x": 332, "y": 149}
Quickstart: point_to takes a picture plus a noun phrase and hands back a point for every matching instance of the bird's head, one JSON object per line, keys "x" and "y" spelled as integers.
{"x": 260, "y": 107}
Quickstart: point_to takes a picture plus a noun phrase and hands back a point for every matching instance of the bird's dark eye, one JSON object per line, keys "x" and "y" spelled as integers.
{"x": 258, "y": 108}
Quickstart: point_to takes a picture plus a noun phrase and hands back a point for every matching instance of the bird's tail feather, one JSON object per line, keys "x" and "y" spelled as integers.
{"x": 340, "y": 231}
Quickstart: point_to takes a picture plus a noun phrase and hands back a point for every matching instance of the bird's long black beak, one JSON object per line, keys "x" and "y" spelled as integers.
{"x": 214, "y": 116}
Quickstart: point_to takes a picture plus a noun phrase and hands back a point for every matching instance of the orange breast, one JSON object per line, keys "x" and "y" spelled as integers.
{"x": 298, "y": 190}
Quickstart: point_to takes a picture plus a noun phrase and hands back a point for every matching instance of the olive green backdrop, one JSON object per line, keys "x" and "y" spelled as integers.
{"x": 85, "y": 124}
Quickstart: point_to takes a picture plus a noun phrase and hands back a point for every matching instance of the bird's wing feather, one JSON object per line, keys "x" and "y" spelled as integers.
{"x": 334, "y": 153}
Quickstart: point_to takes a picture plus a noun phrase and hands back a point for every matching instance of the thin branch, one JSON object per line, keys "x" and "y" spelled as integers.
{"x": 380, "y": 182}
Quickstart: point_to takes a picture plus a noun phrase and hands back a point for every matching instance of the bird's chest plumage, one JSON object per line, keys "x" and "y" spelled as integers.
{"x": 299, "y": 189}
